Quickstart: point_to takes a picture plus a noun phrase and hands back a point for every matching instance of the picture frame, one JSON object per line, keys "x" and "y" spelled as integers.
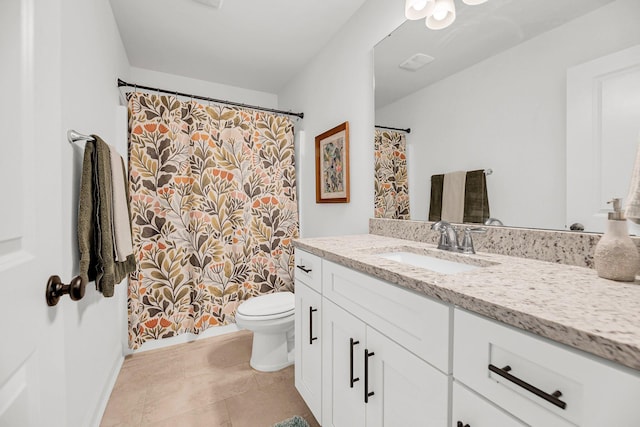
{"x": 332, "y": 165}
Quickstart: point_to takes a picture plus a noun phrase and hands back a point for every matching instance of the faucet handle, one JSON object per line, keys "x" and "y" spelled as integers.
{"x": 467, "y": 242}
{"x": 440, "y": 226}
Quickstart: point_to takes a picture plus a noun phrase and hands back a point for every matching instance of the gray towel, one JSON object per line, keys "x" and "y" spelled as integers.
{"x": 435, "y": 204}
{"x": 476, "y": 200}
{"x": 95, "y": 237}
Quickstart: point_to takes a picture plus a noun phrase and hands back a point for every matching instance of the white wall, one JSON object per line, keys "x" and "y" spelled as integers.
{"x": 508, "y": 113}
{"x": 93, "y": 57}
{"x": 201, "y": 87}
{"x": 337, "y": 86}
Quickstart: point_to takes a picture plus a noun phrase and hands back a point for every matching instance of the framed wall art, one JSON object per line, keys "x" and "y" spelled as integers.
{"x": 332, "y": 165}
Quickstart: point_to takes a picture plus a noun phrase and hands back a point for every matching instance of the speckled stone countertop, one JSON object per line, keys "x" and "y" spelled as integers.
{"x": 567, "y": 304}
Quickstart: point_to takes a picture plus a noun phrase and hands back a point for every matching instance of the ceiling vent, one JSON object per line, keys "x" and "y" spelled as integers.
{"x": 416, "y": 62}
{"x": 216, "y": 4}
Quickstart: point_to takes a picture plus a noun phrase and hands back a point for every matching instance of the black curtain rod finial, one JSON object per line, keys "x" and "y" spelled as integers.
{"x": 122, "y": 83}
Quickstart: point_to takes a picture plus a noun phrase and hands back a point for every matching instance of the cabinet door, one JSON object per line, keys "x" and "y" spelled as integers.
{"x": 308, "y": 347}
{"x": 474, "y": 411}
{"x": 407, "y": 390}
{"x": 343, "y": 381}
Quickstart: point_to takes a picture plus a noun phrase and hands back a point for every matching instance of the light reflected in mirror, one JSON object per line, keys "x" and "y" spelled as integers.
{"x": 546, "y": 93}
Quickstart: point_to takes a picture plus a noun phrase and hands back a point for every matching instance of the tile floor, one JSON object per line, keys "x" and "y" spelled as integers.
{"x": 203, "y": 383}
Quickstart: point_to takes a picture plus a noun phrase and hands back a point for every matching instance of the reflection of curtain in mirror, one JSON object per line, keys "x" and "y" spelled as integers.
{"x": 213, "y": 203}
{"x": 391, "y": 181}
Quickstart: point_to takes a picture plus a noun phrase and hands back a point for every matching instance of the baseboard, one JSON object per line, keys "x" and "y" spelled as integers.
{"x": 106, "y": 392}
{"x": 184, "y": 338}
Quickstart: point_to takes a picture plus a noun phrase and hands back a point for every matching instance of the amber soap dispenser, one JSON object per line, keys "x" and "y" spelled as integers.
{"x": 616, "y": 256}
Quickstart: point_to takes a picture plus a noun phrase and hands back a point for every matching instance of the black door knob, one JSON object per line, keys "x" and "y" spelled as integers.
{"x": 56, "y": 289}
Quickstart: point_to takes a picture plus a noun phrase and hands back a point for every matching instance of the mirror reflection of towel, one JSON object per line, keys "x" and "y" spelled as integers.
{"x": 476, "y": 201}
{"x": 453, "y": 191}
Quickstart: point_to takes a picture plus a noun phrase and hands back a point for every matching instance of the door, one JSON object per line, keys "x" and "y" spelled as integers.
{"x": 407, "y": 390}
{"x": 308, "y": 331}
{"x": 343, "y": 380}
{"x": 32, "y": 384}
{"x": 603, "y": 134}
{"x": 474, "y": 411}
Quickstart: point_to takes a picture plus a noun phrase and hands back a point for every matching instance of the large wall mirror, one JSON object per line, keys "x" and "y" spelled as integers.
{"x": 545, "y": 93}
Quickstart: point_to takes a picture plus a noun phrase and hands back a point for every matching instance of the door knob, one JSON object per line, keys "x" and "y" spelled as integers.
{"x": 56, "y": 289}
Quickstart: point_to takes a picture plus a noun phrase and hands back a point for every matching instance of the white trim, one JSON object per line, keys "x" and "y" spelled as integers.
{"x": 106, "y": 392}
{"x": 184, "y": 338}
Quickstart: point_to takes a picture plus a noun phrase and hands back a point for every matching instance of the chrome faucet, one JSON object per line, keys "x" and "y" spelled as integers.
{"x": 449, "y": 237}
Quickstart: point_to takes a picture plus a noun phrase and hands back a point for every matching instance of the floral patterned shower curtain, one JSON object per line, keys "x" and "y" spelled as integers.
{"x": 213, "y": 201}
{"x": 391, "y": 181}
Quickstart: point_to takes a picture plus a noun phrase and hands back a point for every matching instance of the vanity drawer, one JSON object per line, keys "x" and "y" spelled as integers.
{"x": 308, "y": 269}
{"x": 474, "y": 411}
{"x": 418, "y": 323}
{"x": 520, "y": 372}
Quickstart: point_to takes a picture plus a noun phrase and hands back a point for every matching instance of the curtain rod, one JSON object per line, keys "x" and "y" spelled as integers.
{"x": 122, "y": 83}
{"x": 407, "y": 130}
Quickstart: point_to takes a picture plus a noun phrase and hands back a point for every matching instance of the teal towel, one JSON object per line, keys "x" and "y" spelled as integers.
{"x": 292, "y": 422}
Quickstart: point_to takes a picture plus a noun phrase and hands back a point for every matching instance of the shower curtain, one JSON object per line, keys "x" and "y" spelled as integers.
{"x": 213, "y": 204}
{"x": 391, "y": 182}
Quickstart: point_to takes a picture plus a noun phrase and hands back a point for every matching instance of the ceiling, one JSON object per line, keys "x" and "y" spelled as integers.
{"x": 253, "y": 44}
{"x": 477, "y": 33}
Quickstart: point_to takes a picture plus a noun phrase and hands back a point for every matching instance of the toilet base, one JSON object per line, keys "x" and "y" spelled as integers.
{"x": 271, "y": 352}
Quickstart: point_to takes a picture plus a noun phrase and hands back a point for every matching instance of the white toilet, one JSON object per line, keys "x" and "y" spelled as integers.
{"x": 271, "y": 318}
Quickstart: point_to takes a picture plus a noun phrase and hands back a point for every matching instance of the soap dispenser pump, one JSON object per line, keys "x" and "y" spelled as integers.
{"x": 616, "y": 256}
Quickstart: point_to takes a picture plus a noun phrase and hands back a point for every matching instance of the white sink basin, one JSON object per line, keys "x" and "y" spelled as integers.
{"x": 429, "y": 263}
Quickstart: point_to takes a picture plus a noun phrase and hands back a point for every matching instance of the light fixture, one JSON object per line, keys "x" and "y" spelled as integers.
{"x": 439, "y": 14}
{"x": 418, "y": 9}
{"x": 444, "y": 13}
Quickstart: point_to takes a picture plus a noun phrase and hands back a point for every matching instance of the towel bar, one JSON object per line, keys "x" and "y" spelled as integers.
{"x": 74, "y": 136}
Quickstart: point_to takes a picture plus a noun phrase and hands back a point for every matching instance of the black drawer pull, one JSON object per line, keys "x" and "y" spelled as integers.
{"x": 303, "y": 268}
{"x": 367, "y": 393}
{"x": 351, "y": 379}
{"x": 311, "y": 337}
{"x": 551, "y": 398}
{"x": 462, "y": 425}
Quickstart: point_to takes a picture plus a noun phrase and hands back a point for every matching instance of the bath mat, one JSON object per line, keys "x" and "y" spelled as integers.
{"x": 292, "y": 422}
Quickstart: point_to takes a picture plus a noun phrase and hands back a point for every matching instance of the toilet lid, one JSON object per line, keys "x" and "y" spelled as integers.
{"x": 268, "y": 305}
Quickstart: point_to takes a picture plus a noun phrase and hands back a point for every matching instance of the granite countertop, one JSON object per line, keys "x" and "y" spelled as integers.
{"x": 567, "y": 304}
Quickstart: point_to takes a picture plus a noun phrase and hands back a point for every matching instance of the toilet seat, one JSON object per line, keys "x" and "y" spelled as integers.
{"x": 268, "y": 307}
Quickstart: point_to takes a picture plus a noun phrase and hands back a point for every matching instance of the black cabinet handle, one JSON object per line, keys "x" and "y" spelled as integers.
{"x": 351, "y": 379}
{"x": 551, "y": 398}
{"x": 462, "y": 425}
{"x": 303, "y": 268}
{"x": 367, "y": 393}
{"x": 311, "y": 337}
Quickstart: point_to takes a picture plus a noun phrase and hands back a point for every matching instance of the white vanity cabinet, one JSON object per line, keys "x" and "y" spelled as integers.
{"x": 308, "y": 347}
{"x": 369, "y": 380}
{"x": 308, "y": 330}
{"x": 538, "y": 381}
{"x": 385, "y": 350}
{"x": 386, "y": 356}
